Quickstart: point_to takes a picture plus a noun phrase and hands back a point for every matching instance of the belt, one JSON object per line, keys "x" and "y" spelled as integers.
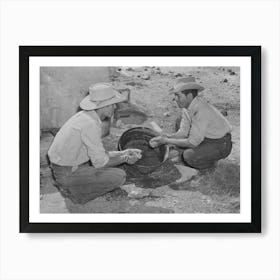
{"x": 56, "y": 166}
{"x": 219, "y": 140}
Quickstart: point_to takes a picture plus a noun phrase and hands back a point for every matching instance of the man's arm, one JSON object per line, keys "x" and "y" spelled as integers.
{"x": 176, "y": 135}
{"x": 196, "y": 135}
{"x": 115, "y": 159}
{"x": 184, "y": 129}
{"x": 129, "y": 156}
{"x": 91, "y": 136}
{"x": 160, "y": 140}
{"x": 181, "y": 143}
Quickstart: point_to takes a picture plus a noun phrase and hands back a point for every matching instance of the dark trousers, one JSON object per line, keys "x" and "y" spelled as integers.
{"x": 206, "y": 154}
{"x": 87, "y": 183}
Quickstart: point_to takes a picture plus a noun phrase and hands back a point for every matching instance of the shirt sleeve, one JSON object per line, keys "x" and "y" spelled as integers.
{"x": 185, "y": 124}
{"x": 91, "y": 137}
{"x": 198, "y": 128}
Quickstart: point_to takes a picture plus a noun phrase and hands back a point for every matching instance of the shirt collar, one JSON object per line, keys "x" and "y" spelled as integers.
{"x": 94, "y": 116}
{"x": 194, "y": 105}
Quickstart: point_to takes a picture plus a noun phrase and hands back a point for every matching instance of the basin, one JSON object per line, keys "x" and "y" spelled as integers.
{"x": 138, "y": 138}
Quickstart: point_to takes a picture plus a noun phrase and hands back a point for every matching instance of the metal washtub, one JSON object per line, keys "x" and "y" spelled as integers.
{"x": 139, "y": 137}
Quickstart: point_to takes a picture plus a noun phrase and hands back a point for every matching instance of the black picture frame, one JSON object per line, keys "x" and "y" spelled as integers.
{"x": 254, "y": 52}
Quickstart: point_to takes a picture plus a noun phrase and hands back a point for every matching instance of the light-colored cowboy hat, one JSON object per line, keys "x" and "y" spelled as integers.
{"x": 185, "y": 83}
{"x": 101, "y": 95}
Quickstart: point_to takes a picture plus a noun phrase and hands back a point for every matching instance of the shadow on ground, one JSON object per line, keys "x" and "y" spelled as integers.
{"x": 166, "y": 174}
{"x": 224, "y": 180}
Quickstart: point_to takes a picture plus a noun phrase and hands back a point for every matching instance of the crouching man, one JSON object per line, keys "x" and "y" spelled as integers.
{"x": 81, "y": 167}
{"x": 204, "y": 133}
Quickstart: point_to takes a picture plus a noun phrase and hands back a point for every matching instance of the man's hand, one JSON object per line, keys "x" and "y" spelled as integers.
{"x": 132, "y": 159}
{"x": 157, "y": 141}
{"x": 132, "y": 155}
{"x": 132, "y": 152}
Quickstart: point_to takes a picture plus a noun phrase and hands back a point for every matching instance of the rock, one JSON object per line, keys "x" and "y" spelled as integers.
{"x": 146, "y": 77}
{"x": 176, "y": 159}
{"x": 178, "y": 75}
{"x": 232, "y": 73}
{"x": 136, "y": 192}
{"x": 117, "y": 131}
{"x": 186, "y": 172}
{"x": 194, "y": 184}
{"x": 173, "y": 153}
{"x": 156, "y": 127}
{"x": 161, "y": 191}
{"x": 133, "y": 202}
{"x": 167, "y": 114}
{"x": 224, "y": 112}
{"x": 120, "y": 124}
{"x": 225, "y": 80}
{"x": 131, "y": 84}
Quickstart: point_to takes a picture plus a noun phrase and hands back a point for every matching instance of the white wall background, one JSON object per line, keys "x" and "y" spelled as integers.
{"x": 139, "y": 256}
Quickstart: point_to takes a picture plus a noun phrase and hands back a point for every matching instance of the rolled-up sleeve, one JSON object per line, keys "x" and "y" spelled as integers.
{"x": 198, "y": 128}
{"x": 91, "y": 137}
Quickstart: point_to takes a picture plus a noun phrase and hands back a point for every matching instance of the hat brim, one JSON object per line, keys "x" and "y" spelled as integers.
{"x": 87, "y": 104}
{"x": 186, "y": 87}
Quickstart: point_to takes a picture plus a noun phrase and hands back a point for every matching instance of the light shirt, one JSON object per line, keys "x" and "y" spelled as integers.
{"x": 202, "y": 120}
{"x": 78, "y": 141}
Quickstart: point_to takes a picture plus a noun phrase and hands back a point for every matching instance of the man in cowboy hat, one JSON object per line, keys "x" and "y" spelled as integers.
{"x": 204, "y": 133}
{"x": 81, "y": 167}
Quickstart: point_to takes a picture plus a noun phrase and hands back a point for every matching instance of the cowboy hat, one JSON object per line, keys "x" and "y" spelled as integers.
{"x": 101, "y": 95}
{"x": 185, "y": 83}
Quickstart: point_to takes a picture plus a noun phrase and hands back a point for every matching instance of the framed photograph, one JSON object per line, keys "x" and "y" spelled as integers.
{"x": 156, "y": 139}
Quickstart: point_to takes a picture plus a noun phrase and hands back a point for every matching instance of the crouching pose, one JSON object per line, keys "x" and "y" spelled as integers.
{"x": 81, "y": 167}
{"x": 204, "y": 133}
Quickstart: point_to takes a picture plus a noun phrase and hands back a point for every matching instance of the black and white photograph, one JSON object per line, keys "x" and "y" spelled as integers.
{"x": 143, "y": 139}
{"x": 141, "y": 136}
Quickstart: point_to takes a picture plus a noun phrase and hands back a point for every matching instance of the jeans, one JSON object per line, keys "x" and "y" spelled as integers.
{"x": 207, "y": 153}
{"x": 87, "y": 183}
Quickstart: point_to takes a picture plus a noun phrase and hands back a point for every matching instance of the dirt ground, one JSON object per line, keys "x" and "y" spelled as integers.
{"x": 166, "y": 190}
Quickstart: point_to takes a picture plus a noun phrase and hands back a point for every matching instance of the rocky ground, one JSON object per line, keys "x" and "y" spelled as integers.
{"x": 168, "y": 189}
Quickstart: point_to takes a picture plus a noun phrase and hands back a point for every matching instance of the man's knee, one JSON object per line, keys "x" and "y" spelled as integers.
{"x": 195, "y": 160}
{"x": 122, "y": 174}
{"x": 119, "y": 176}
{"x": 189, "y": 157}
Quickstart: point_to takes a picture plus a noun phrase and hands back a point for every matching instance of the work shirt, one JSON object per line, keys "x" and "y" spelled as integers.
{"x": 202, "y": 120}
{"x": 78, "y": 141}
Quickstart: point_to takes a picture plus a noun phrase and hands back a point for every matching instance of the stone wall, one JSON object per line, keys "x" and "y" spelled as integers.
{"x": 62, "y": 89}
